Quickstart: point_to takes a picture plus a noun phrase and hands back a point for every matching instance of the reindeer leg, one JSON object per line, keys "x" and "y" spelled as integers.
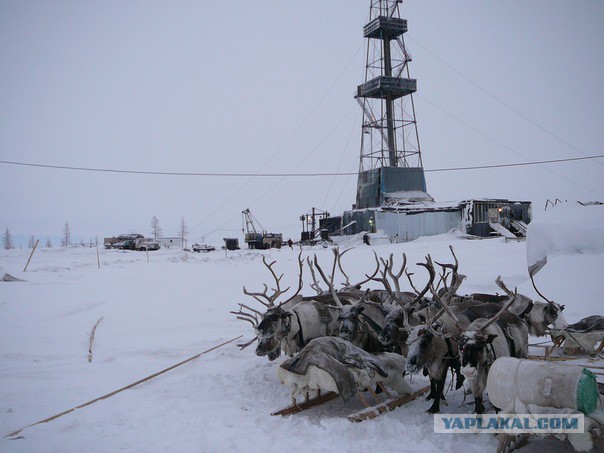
{"x": 432, "y": 393}
{"x": 440, "y": 387}
{"x": 459, "y": 379}
{"x": 478, "y": 405}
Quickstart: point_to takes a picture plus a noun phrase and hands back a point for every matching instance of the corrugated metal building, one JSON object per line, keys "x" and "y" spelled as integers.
{"x": 374, "y": 186}
{"x": 407, "y": 218}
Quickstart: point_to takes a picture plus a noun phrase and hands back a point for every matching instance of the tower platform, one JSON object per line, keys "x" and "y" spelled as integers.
{"x": 383, "y": 27}
{"x": 383, "y": 87}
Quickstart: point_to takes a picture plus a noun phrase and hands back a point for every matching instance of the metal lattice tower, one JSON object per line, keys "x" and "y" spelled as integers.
{"x": 389, "y": 130}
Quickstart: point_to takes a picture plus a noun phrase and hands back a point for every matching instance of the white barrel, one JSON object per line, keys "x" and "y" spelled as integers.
{"x": 513, "y": 383}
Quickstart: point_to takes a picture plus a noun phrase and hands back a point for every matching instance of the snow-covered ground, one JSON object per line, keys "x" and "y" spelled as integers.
{"x": 159, "y": 312}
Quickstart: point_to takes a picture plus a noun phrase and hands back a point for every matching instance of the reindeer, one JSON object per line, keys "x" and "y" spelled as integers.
{"x": 397, "y": 324}
{"x": 287, "y": 326}
{"x": 395, "y": 331}
{"x": 537, "y": 315}
{"x": 489, "y": 298}
{"x": 417, "y": 311}
{"x": 411, "y": 309}
{"x": 362, "y": 323}
{"x": 485, "y": 340}
{"x": 433, "y": 346}
{"x": 432, "y": 351}
{"x": 291, "y": 324}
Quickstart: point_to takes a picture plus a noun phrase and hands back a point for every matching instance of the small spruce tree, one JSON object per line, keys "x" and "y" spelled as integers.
{"x": 183, "y": 232}
{"x": 155, "y": 228}
{"x": 66, "y": 240}
{"x": 8, "y": 240}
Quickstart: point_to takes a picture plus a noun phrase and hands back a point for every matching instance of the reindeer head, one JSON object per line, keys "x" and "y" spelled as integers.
{"x": 270, "y": 327}
{"x": 554, "y": 316}
{"x": 422, "y": 348}
{"x": 473, "y": 351}
{"x": 552, "y": 312}
{"x": 271, "y": 330}
{"x": 473, "y": 343}
{"x": 396, "y": 327}
{"x": 349, "y": 321}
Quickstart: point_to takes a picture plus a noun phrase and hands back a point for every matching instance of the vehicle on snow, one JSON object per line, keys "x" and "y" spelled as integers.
{"x": 144, "y": 244}
{"x": 203, "y": 248}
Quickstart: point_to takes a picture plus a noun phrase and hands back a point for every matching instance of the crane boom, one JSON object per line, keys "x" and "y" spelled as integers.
{"x": 259, "y": 239}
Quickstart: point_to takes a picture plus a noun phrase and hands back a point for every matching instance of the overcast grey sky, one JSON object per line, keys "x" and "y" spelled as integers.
{"x": 267, "y": 87}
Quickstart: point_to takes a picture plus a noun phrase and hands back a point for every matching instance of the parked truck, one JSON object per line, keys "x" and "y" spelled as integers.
{"x": 145, "y": 244}
{"x": 122, "y": 242}
{"x": 131, "y": 241}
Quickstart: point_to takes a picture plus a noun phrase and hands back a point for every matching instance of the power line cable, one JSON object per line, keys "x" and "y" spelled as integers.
{"x": 342, "y": 190}
{"x": 344, "y": 152}
{"x": 286, "y": 141}
{"x": 293, "y": 175}
{"x": 496, "y": 98}
{"x": 508, "y": 148}
{"x": 284, "y": 175}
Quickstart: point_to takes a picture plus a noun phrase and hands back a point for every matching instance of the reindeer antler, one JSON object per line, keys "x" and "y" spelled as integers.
{"x": 396, "y": 277}
{"x": 430, "y": 268}
{"x": 384, "y": 280}
{"x": 454, "y": 267}
{"x": 446, "y": 308}
{"x": 242, "y": 346}
{"x": 251, "y": 317}
{"x": 315, "y": 284}
{"x": 370, "y": 277}
{"x": 329, "y": 282}
{"x": 444, "y": 302}
{"x": 270, "y": 300}
{"x": 505, "y": 307}
{"x": 300, "y": 281}
{"x": 339, "y": 256}
{"x": 505, "y": 289}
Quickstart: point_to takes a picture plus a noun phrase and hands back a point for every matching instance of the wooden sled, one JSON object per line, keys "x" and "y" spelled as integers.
{"x": 560, "y": 340}
{"x": 388, "y": 405}
{"x": 552, "y": 358}
{"x": 312, "y": 402}
{"x": 370, "y": 411}
{"x": 595, "y": 369}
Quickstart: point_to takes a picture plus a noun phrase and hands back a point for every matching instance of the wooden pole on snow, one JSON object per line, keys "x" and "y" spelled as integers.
{"x": 31, "y": 254}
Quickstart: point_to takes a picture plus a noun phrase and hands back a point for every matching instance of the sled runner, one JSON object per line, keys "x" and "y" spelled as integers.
{"x": 370, "y": 411}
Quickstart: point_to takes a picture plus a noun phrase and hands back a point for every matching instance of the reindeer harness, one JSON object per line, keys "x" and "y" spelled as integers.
{"x": 525, "y": 315}
{"x": 324, "y": 315}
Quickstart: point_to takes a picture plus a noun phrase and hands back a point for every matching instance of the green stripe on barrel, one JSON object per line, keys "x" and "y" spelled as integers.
{"x": 587, "y": 392}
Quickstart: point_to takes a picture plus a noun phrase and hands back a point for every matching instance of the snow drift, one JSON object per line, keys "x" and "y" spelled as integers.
{"x": 565, "y": 229}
